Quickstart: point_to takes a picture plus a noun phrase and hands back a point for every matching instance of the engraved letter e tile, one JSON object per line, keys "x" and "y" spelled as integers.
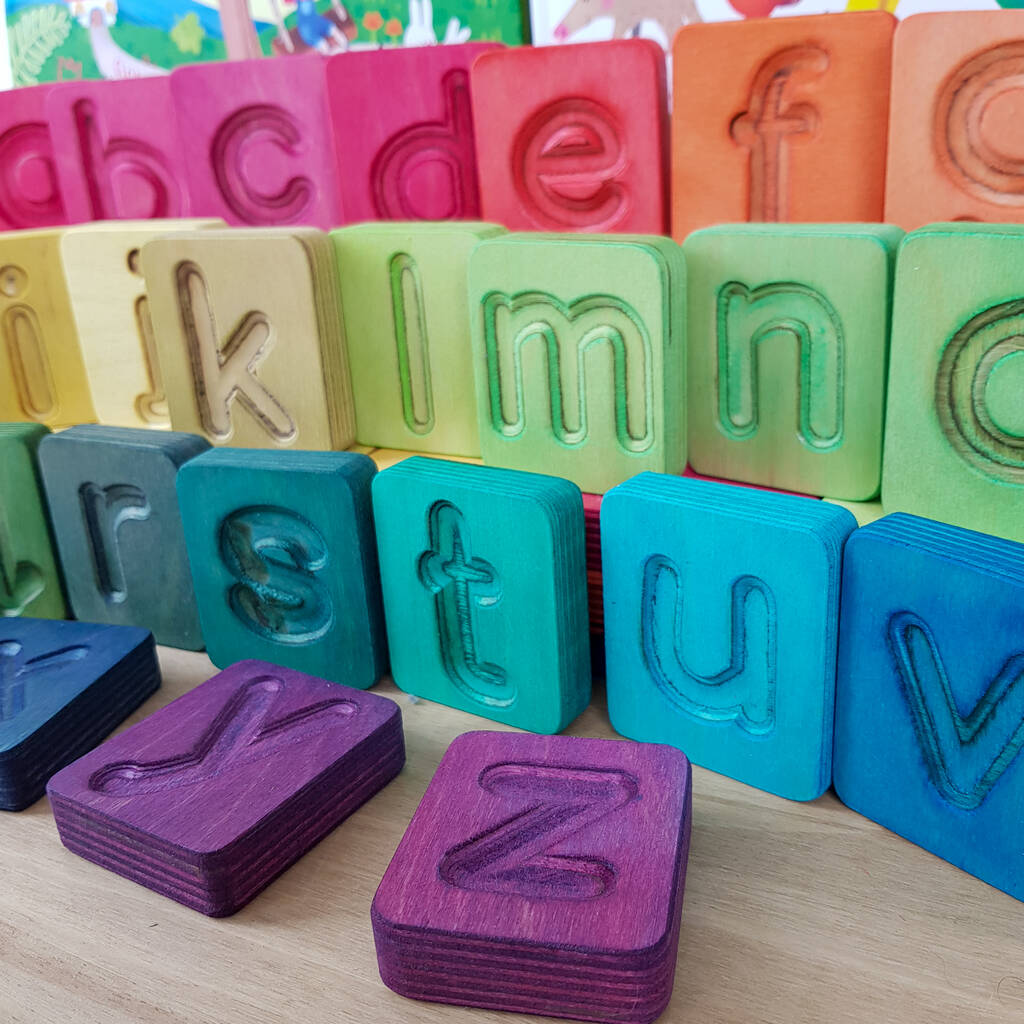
{"x": 541, "y": 875}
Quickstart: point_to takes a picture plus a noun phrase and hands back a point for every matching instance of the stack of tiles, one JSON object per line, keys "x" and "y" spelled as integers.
{"x": 592, "y": 529}
{"x": 211, "y": 798}
{"x": 63, "y": 687}
{"x": 541, "y": 875}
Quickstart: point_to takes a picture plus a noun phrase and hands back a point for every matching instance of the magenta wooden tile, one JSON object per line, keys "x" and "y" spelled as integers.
{"x": 534, "y": 867}
{"x": 407, "y": 154}
{"x": 117, "y": 151}
{"x": 256, "y": 138}
{"x": 29, "y": 191}
{"x": 225, "y": 787}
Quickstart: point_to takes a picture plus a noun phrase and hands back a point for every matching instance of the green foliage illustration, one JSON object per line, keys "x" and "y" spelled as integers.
{"x": 33, "y": 38}
{"x": 188, "y": 34}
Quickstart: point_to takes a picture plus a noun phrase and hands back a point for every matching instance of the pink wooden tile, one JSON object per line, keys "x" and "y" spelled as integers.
{"x": 256, "y": 138}
{"x": 29, "y": 190}
{"x": 403, "y": 125}
{"x": 117, "y": 150}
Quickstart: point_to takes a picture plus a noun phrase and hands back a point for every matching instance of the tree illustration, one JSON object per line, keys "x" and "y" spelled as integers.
{"x": 34, "y": 37}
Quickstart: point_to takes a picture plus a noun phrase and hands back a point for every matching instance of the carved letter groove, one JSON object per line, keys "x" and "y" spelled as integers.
{"x": 412, "y": 343}
{"x": 16, "y": 672}
{"x": 105, "y": 510}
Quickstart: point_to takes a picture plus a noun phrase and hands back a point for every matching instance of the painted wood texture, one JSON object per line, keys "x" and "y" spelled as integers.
{"x": 954, "y": 425}
{"x": 63, "y": 687}
{"x": 562, "y": 144}
{"x": 284, "y": 560}
{"x": 580, "y": 354}
{"x": 103, "y": 269}
{"x": 114, "y": 509}
{"x": 117, "y": 150}
{"x": 410, "y": 154}
{"x": 249, "y": 337}
{"x": 542, "y": 875}
{"x": 42, "y": 376}
{"x": 30, "y": 194}
{"x": 787, "y": 349}
{"x": 484, "y": 579}
{"x": 721, "y": 622}
{"x": 793, "y": 912}
{"x": 256, "y": 139}
{"x": 30, "y": 582}
{"x": 212, "y": 797}
{"x": 954, "y": 136}
{"x": 931, "y": 677}
{"x": 780, "y": 120}
{"x": 407, "y": 328}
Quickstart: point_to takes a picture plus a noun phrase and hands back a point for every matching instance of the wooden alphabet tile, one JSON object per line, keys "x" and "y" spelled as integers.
{"x": 403, "y": 289}
{"x": 721, "y": 611}
{"x": 473, "y": 560}
{"x": 30, "y": 194}
{"x": 410, "y": 154}
{"x": 954, "y": 428}
{"x": 780, "y": 119}
{"x": 117, "y": 151}
{"x": 955, "y": 142}
{"x": 787, "y": 347}
{"x": 63, "y": 687}
{"x": 103, "y": 268}
{"x": 42, "y": 375}
{"x": 284, "y": 560}
{"x": 580, "y": 354}
{"x": 249, "y": 337}
{"x": 541, "y": 875}
{"x": 930, "y": 698}
{"x": 256, "y": 139}
{"x": 115, "y": 518}
{"x": 213, "y": 796}
{"x": 573, "y": 142}
{"x": 30, "y": 582}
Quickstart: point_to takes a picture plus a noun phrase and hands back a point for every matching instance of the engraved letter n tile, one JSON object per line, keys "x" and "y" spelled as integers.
{"x": 930, "y": 691}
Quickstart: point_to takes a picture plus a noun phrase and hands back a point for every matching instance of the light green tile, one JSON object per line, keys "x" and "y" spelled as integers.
{"x": 954, "y": 445}
{"x": 787, "y": 341}
{"x": 864, "y": 512}
{"x": 580, "y": 354}
{"x": 403, "y": 291}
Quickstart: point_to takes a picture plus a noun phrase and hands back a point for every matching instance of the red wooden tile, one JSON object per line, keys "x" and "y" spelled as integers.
{"x": 29, "y": 191}
{"x": 573, "y": 141}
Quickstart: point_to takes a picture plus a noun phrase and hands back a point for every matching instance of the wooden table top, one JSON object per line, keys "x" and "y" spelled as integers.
{"x": 793, "y": 913}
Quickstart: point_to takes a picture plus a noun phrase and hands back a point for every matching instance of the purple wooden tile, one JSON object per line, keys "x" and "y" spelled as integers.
{"x": 531, "y": 842}
{"x": 201, "y": 772}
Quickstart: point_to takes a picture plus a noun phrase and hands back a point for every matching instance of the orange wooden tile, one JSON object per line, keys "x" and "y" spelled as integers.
{"x": 780, "y": 120}
{"x": 956, "y": 132}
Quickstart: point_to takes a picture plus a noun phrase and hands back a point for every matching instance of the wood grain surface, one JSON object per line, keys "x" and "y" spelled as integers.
{"x": 793, "y": 913}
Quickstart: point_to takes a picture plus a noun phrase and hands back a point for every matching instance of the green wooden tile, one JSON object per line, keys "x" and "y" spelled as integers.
{"x": 954, "y": 444}
{"x": 403, "y": 291}
{"x": 580, "y": 355}
{"x": 30, "y": 582}
{"x": 787, "y": 338}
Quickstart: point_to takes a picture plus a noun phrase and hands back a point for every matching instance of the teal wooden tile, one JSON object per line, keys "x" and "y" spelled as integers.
{"x": 115, "y": 518}
{"x": 721, "y": 611}
{"x": 788, "y": 333}
{"x": 954, "y": 430}
{"x": 579, "y": 347}
{"x": 30, "y": 582}
{"x": 284, "y": 560}
{"x": 403, "y": 295}
{"x": 485, "y": 590}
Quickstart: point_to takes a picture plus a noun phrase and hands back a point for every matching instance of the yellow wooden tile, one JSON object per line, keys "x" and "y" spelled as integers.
{"x": 249, "y": 337}
{"x": 108, "y": 295}
{"x": 42, "y": 376}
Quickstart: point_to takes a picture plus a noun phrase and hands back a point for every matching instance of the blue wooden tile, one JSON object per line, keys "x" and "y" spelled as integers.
{"x": 485, "y": 590}
{"x": 116, "y": 522}
{"x": 64, "y": 686}
{"x": 721, "y": 617}
{"x": 30, "y": 582}
{"x": 930, "y": 692}
{"x": 284, "y": 560}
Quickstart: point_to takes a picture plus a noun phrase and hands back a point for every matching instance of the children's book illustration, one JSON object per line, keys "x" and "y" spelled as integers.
{"x": 64, "y": 40}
